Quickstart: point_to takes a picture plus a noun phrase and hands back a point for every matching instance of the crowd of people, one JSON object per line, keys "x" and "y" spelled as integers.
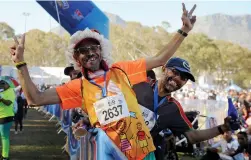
{"x": 122, "y": 99}
{"x": 230, "y": 147}
{"x": 210, "y": 94}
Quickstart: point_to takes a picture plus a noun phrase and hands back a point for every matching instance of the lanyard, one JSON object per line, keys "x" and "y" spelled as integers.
{"x": 103, "y": 89}
{"x": 156, "y": 100}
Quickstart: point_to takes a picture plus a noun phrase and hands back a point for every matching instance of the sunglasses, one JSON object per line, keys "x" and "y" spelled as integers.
{"x": 87, "y": 49}
{"x": 177, "y": 73}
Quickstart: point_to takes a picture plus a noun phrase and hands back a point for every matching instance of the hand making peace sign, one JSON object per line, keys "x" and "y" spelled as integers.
{"x": 17, "y": 50}
{"x": 188, "y": 19}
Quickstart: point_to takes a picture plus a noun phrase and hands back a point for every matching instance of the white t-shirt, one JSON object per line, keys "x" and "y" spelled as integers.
{"x": 227, "y": 147}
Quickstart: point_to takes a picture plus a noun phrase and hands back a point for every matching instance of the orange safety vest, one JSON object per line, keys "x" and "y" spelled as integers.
{"x": 130, "y": 134}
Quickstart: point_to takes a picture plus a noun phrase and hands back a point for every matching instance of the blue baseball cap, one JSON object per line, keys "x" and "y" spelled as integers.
{"x": 181, "y": 65}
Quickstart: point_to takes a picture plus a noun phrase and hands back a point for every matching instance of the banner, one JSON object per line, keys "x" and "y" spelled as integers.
{"x": 97, "y": 145}
{"x": 66, "y": 122}
{"x": 77, "y": 15}
{"x": 73, "y": 143}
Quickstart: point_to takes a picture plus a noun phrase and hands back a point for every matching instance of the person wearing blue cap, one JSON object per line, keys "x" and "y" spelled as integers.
{"x": 161, "y": 111}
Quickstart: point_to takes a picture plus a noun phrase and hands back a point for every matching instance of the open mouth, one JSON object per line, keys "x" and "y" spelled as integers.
{"x": 171, "y": 84}
{"x": 93, "y": 58}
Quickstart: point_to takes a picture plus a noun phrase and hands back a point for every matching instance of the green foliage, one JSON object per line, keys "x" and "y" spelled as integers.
{"x": 165, "y": 25}
{"x": 41, "y": 49}
{"x": 6, "y": 31}
{"x": 223, "y": 59}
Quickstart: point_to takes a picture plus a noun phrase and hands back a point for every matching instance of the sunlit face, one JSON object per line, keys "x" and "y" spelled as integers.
{"x": 88, "y": 54}
{"x": 172, "y": 80}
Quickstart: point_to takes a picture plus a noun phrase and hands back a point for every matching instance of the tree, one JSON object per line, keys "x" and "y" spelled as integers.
{"x": 166, "y": 25}
{"x": 6, "y": 31}
{"x": 221, "y": 59}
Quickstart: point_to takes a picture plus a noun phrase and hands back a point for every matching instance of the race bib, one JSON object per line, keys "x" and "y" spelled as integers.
{"x": 111, "y": 109}
{"x": 148, "y": 117}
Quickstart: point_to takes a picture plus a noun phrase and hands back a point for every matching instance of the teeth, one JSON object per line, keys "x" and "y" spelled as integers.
{"x": 93, "y": 59}
{"x": 173, "y": 83}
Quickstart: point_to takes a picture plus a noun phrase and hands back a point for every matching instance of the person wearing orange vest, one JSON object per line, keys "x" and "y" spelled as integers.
{"x": 104, "y": 91}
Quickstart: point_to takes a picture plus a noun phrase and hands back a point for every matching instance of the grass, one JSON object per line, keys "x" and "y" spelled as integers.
{"x": 39, "y": 141}
{"x": 184, "y": 157}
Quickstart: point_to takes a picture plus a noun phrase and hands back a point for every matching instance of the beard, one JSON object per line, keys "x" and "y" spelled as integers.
{"x": 168, "y": 85}
{"x": 95, "y": 67}
{"x": 93, "y": 63}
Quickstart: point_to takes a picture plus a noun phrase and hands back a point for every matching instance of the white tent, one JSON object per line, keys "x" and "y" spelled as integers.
{"x": 39, "y": 75}
{"x": 233, "y": 87}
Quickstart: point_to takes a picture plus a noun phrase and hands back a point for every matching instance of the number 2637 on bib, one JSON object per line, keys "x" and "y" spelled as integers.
{"x": 111, "y": 109}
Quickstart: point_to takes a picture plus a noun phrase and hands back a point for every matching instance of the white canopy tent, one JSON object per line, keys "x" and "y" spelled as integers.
{"x": 40, "y": 75}
{"x": 233, "y": 87}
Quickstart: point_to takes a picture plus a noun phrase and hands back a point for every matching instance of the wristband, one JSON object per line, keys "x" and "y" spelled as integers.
{"x": 20, "y": 65}
{"x": 182, "y": 33}
{"x": 220, "y": 130}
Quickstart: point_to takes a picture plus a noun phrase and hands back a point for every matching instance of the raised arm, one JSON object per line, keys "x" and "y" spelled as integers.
{"x": 168, "y": 51}
{"x": 32, "y": 94}
{"x": 196, "y": 136}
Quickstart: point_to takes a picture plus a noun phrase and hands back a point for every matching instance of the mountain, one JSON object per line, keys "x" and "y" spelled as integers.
{"x": 236, "y": 29}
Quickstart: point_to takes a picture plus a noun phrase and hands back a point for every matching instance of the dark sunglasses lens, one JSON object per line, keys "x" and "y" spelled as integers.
{"x": 94, "y": 47}
{"x": 83, "y": 50}
{"x": 183, "y": 76}
{"x": 86, "y": 49}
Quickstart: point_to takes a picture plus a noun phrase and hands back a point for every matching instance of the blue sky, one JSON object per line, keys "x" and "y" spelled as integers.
{"x": 146, "y": 12}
